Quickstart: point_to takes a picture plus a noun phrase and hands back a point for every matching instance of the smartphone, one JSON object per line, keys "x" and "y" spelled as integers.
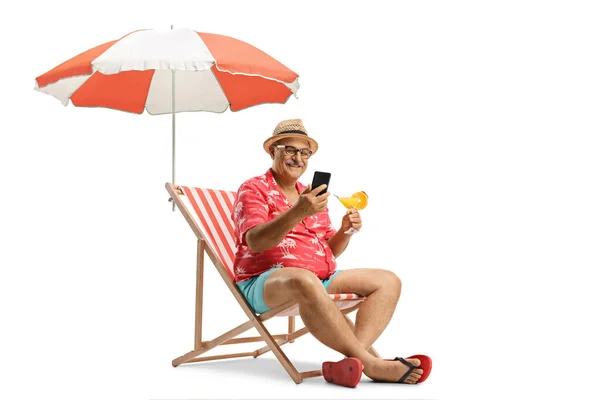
{"x": 320, "y": 178}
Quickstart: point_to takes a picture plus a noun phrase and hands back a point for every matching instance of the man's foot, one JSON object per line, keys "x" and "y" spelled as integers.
{"x": 393, "y": 371}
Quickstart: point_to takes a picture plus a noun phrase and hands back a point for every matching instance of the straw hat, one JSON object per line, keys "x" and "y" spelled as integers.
{"x": 290, "y": 128}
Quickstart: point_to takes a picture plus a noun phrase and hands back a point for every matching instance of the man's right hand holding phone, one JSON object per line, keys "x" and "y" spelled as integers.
{"x": 309, "y": 203}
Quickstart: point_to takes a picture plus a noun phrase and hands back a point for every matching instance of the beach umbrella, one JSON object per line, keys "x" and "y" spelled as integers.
{"x": 170, "y": 71}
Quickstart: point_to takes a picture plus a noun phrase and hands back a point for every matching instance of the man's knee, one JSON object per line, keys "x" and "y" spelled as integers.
{"x": 304, "y": 283}
{"x": 389, "y": 281}
{"x": 290, "y": 284}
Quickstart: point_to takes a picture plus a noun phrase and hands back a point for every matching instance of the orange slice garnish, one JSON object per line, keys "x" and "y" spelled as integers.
{"x": 364, "y": 199}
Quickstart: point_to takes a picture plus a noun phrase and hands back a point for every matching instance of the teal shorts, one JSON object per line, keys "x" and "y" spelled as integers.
{"x": 253, "y": 289}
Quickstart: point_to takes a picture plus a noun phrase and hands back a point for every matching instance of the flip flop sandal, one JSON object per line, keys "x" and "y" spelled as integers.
{"x": 346, "y": 372}
{"x": 425, "y": 366}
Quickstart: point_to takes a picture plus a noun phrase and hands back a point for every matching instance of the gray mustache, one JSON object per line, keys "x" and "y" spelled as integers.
{"x": 294, "y": 164}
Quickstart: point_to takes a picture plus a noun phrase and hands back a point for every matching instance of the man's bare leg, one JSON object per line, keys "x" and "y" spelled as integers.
{"x": 381, "y": 288}
{"x": 327, "y": 324}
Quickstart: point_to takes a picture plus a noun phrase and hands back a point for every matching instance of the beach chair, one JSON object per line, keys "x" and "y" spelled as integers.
{"x": 208, "y": 212}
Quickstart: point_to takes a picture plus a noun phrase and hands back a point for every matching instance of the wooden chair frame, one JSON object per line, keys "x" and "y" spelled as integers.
{"x": 273, "y": 342}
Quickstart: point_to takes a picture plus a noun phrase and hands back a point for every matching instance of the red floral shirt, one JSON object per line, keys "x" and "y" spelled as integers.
{"x": 260, "y": 200}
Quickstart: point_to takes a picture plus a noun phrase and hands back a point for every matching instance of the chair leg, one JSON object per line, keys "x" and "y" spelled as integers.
{"x": 199, "y": 291}
{"x": 221, "y": 357}
{"x": 291, "y": 325}
{"x": 285, "y": 362}
{"x": 281, "y": 342}
{"x": 212, "y": 344}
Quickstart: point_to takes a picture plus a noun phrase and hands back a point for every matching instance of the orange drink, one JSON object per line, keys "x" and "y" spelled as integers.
{"x": 358, "y": 201}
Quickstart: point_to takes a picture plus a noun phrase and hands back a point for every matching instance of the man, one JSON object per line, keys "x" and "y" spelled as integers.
{"x": 286, "y": 250}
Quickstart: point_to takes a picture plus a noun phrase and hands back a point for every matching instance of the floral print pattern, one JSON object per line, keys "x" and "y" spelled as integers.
{"x": 259, "y": 200}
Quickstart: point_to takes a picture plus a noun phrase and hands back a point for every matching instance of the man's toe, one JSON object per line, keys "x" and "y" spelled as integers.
{"x": 414, "y": 361}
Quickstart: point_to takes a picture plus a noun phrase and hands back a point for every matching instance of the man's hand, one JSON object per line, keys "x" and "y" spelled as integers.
{"x": 309, "y": 203}
{"x": 352, "y": 219}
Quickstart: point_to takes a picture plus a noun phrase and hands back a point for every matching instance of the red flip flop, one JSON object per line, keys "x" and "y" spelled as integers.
{"x": 425, "y": 366}
{"x": 346, "y": 372}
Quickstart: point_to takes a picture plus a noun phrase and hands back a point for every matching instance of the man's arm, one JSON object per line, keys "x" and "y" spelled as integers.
{"x": 338, "y": 243}
{"x": 269, "y": 234}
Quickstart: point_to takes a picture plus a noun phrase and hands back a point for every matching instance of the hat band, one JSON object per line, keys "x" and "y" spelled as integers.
{"x": 293, "y": 131}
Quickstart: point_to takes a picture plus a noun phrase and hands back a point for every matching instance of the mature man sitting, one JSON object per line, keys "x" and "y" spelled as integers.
{"x": 287, "y": 250}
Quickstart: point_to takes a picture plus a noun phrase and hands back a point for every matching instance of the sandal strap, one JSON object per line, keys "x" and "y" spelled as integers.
{"x": 410, "y": 368}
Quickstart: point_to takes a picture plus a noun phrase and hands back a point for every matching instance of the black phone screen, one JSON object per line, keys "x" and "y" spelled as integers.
{"x": 320, "y": 178}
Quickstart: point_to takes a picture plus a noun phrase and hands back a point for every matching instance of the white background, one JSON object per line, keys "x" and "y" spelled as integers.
{"x": 473, "y": 127}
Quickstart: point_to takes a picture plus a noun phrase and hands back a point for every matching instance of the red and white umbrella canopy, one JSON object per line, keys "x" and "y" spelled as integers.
{"x": 210, "y": 72}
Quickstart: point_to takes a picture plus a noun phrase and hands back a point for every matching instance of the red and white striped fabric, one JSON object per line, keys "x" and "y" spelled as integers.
{"x": 212, "y": 209}
{"x": 212, "y": 72}
{"x": 213, "y": 212}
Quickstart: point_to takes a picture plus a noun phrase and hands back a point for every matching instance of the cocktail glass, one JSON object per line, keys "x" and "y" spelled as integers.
{"x": 358, "y": 201}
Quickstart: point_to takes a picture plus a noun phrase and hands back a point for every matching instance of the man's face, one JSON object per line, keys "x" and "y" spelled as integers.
{"x": 288, "y": 166}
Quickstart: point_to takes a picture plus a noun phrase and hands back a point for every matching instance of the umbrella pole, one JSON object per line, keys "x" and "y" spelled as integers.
{"x": 173, "y": 127}
{"x": 173, "y": 144}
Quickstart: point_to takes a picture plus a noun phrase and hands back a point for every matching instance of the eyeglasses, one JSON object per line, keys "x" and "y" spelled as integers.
{"x": 291, "y": 151}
